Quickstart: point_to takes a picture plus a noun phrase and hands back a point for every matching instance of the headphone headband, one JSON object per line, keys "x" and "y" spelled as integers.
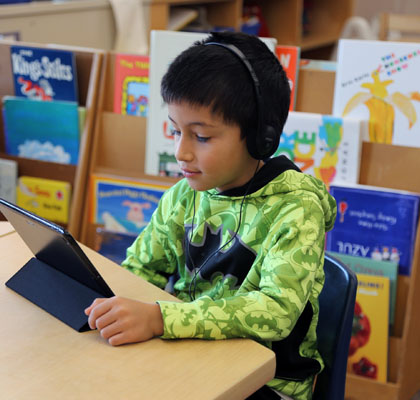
{"x": 264, "y": 143}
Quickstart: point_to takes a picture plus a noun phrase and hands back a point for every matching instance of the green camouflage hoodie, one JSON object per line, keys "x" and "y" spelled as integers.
{"x": 264, "y": 284}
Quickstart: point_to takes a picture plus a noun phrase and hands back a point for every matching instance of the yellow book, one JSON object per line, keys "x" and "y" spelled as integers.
{"x": 47, "y": 198}
{"x": 368, "y": 354}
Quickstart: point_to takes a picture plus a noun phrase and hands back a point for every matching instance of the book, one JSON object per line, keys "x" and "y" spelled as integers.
{"x": 131, "y": 84}
{"x": 376, "y": 223}
{"x": 368, "y": 352}
{"x": 164, "y": 48}
{"x": 382, "y": 87}
{"x": 44, "y": 74}
{"x": 320, "y": 65}
{"x": 46, "y": 198}
{"x": 122, "y": 205}
{"x": 324, "y": 146}
{"x": 289, "y": 57}
{"x": 113, "y": 245}
{"x": 42, "y": 130}
{"x": 8, "y": 179}
{"x": 369, "y": 266}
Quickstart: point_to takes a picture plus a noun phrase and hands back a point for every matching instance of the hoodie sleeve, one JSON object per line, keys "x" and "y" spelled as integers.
{"x": 283, "y": 278}
{"x": 149, "y": 256}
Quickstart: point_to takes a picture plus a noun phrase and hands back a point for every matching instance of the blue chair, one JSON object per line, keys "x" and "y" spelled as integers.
{"x": 336, "y": 309}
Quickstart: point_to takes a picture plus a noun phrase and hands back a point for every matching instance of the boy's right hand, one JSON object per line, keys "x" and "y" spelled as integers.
{"x": 122, "y": 320}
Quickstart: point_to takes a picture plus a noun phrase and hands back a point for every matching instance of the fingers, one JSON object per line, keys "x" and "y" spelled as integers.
{"x": 95, "y": 303}
{"x": 99, "y": 308}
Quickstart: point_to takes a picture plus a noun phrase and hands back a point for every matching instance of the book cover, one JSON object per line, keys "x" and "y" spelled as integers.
{"x": 122, "y": 205}
{"x": 375, "y": 223}
{"x": 113, "y": 245}
{"x": 131, "y": 84}
{"x": 370, "y": 266}
{"x": 368, "y": 352}
{"x": 47, "y": 198}
{"x": 8, "y": 179}
{"x": 164, "y": 47}
{"x": 43, "y": 130}
{"x": 324, "y": 146}
{"x": 378, "y": 81}
{"x": 289, "y": 57}
{"x": 44, "y": 74}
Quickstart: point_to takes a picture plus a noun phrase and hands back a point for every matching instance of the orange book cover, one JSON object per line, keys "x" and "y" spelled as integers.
{"x": 131, "y": 87}
{"x": 368, "y": 353}
{"x": 289, "y": 57}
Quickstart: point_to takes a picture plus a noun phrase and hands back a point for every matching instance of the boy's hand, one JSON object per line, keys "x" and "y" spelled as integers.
{"x": 122, "y": 320}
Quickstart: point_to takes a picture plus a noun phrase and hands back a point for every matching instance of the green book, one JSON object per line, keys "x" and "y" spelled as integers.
{"x": 369, "y": 266}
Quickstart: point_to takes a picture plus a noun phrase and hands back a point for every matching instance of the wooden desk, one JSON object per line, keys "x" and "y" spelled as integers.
{"x": 5, "y": 228}
{"x": 42, "y": 358}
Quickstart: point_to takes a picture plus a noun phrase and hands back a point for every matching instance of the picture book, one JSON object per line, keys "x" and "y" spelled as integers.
{"x": 368, "y": 352}
{"x": 324, "y": 146}
{"x": 123, "y": 205}
{"x": 369, "y": 266}
{"x": 378, "y": 81}
{"x": 44, "y": 74}
{"x": 46, "y": 198}
{"x": 376, "y": 223}
{"x": 43, "y": 130}
{"x": 289, "y": 57}
{"x": 131, "y": 84}
{"x": 113, "y": 245}
{"x": 8, "y": 179}
{"x": 164, "y": 47}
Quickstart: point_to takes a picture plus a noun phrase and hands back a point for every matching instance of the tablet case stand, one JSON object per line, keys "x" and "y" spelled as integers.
{"x": 55, "y": 292}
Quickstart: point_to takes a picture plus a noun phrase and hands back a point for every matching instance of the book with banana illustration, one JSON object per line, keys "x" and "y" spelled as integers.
{"x": 378, "y": 81}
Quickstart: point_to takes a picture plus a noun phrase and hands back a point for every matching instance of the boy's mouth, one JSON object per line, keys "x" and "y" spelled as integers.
{"x": 189, "y": 173}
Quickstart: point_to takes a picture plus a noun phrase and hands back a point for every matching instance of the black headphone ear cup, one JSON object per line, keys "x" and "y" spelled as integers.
{"x": 263, "y": 143}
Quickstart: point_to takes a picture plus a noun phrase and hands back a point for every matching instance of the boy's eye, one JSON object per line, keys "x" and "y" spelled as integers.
{"x": 202, "y": 139}
{"x": 174, "y": 132}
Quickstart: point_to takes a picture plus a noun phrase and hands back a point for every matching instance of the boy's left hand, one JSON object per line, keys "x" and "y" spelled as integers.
{"x": 122, "y": 320}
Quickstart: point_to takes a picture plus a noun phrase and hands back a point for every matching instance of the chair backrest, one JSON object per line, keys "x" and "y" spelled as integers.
{"x": 336, "y": 310}
{"x": 407, "y": 27}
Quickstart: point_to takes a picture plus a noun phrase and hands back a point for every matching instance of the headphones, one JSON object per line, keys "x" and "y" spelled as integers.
{"x": 265, "y": 142}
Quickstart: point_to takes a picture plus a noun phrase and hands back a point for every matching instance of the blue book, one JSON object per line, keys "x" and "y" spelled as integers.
{"x": 113, "y": 245}
{"x": 42, "y": 130}
{"x": 122, "y": 205}
{"x": 374, "y": 222}
{"x": 44, "y": 74}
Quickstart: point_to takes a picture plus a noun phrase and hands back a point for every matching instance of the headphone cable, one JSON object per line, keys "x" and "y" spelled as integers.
{"x": 198, "y": 270}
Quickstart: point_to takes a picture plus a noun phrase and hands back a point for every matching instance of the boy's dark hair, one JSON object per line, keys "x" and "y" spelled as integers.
{"x": 211, "y": 76}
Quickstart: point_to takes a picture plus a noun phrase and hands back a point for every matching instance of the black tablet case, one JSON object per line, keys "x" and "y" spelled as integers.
{"x": 63, "y": 289}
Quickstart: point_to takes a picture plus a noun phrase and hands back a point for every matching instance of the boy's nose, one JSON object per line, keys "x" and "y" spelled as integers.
{"x": 183, "y": 151}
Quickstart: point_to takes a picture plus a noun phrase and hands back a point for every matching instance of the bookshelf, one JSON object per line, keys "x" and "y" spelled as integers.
{"x": 219, "y": 12}
{"x": 386, "y": 166}
{"x": 118, "y": 146}
{"x": 41, "y": 21}
{"x": 88, "y": 64}
{"x": 326, "y": 20}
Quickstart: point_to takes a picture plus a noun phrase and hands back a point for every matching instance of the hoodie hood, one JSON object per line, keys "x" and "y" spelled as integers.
{"x": 281, "y": 176}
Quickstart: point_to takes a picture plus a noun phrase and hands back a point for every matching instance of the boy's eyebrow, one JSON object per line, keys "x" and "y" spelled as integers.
{"x": 199, "y": 123}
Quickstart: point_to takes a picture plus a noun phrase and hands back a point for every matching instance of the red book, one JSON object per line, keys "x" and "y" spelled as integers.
{"x": 131, "y": 88}
{"x": 289, "y": 57}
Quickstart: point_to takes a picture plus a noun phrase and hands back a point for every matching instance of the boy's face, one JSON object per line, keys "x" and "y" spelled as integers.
{"x": 210, "y": 153}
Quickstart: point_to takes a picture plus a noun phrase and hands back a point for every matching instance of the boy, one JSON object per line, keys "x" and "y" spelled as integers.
{"x": 242, "y": 236}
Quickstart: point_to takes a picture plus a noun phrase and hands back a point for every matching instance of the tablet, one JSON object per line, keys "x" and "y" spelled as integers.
{"x": 55, "y": 247}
